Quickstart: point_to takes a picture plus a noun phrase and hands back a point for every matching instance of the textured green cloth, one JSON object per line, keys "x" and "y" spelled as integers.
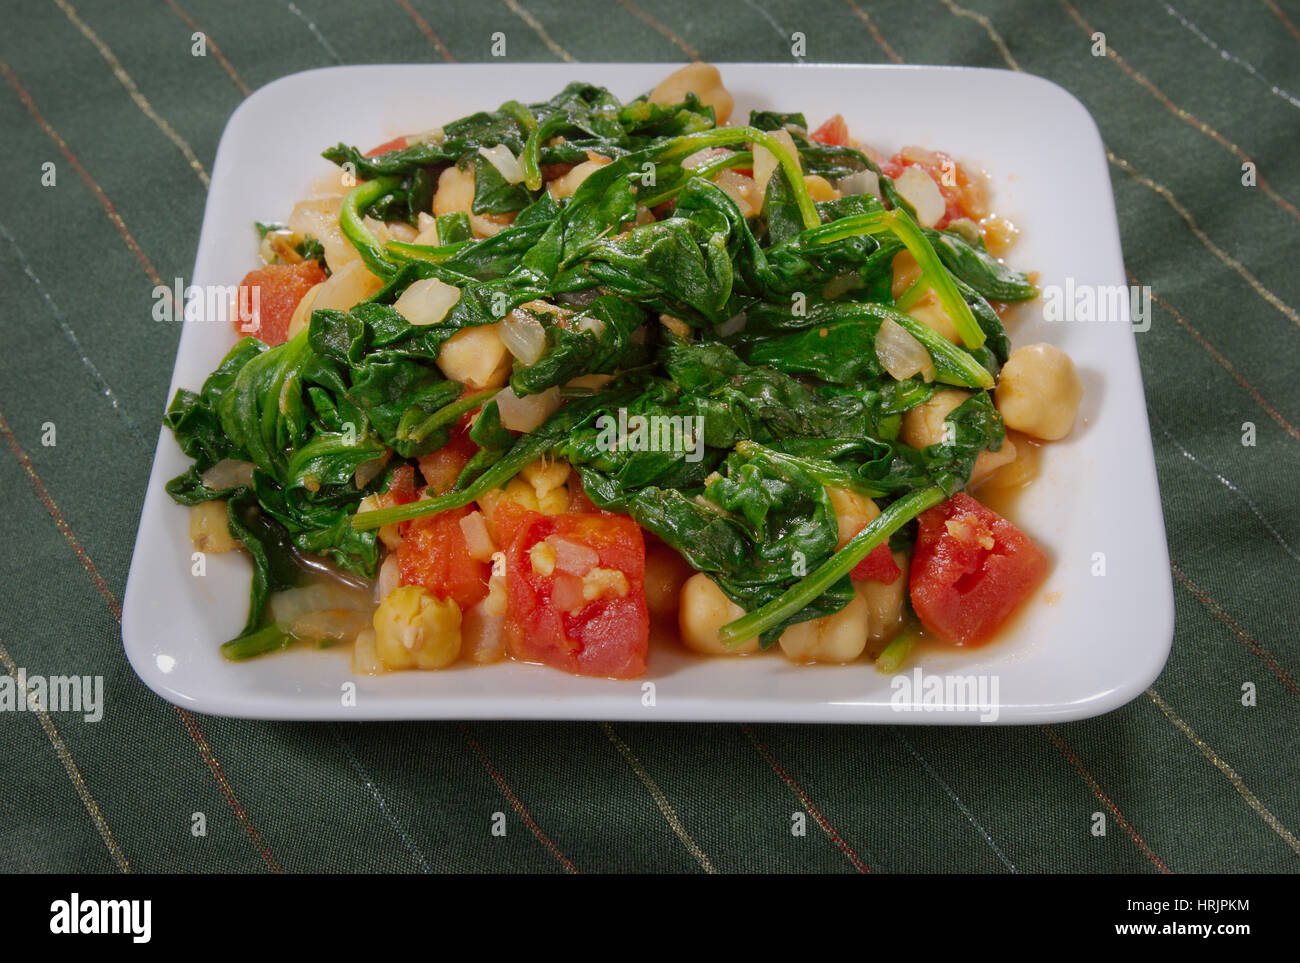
{"x": 1189, "y": 778}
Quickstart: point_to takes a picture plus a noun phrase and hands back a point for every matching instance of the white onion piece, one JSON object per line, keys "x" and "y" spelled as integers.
{"x": 228, "y": 473}
{"x": 477, "y": 540}
{"x": 427, "y": 301}
{"x": 523, "y": 336}
{"x": 368, "y": 471}
{"x": 505, "y": 162}
{"x": 765, "y": 162}
{"x": 702, "y": 155}
{"x": 526, "y": 413}
{"x": 901, "y": 354}
{"x": 482, "y": 635}
{"x": 289, "y": 606}
{"x": 919, "y": 189}
{"x": 390, "y": 576}
{"x": 859, "y": 182}
{"x": 573, "y": 557}
{"x": 566, "y": 592}
{"x": 593, "y": 324}
{"x": 329, "y": 626}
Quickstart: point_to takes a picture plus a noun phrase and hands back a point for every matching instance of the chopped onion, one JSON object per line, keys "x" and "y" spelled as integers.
{"x": 523, "y": 336}
{"x": 901, "y": 354}
{"x": 765, "y": 162}
{"x": 919, "y": 189}
{"x": 566, "y": 592}
{"x": 593, "y": 324}
{"x": 526, "y": 413}
{"x": 702, "y": 155}
{"x": 477, "y": 540}
{"x": 505, "y": 162}
{"x": 573, "y": 557}
{"x": 860, "y": 182}
{"x": 427, "y": 301}
{"x": 330, "y": 626}
{"x": 228, "y": 473}
{"x": 289, "y": 606}
{"x": 390, "y": 576}
{"x": 482, "y": 635}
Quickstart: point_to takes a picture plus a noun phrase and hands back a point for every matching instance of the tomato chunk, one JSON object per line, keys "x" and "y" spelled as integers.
{"x": 963, "y": 194}
{"x": 878, "y": 566}
{"x": 575, "y": 589}
{"x": 970, "y": 570}
{"x": 279, "y": 288}
{"x": 834, "y": 133}
{"x": 434, "y": 554}
{"x": 397, "y": 143}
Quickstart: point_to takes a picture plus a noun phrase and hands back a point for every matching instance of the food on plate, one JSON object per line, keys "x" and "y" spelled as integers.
{"x": 571, "y": 381}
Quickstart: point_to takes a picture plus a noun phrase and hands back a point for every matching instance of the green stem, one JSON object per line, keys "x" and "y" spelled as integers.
{"x": 707, "y": 170}
{"x": 506, "y": 468}
{"x": 271, "y": 638}
{"x": 433, "y": 253}
{"x": 898, "y": 649}
{"x": 725, "y": 136}
{"x": 354, "y": 228}
{"x": 530, "y": 160}
{"x": 899, "y": 223}
{"x": 832, "y": 570}
{"x": 445, "y": 415}
{"x": 908, "y": 299}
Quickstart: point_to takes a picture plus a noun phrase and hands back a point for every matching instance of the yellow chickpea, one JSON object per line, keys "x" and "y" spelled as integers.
{"x": 703, "y": 611}
{"x": 416, "y": 630}
{"x": 924, "y": 425}
{"x": 1039, "y": 392}
{"x": 702, "y": 80}
{"x": 839, "y": 637}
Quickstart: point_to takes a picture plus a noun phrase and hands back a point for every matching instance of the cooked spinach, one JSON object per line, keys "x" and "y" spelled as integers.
{"x": 754, "y": 335}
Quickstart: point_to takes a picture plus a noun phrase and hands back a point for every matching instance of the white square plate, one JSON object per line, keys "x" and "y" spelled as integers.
{"x": 1085, "y": 645}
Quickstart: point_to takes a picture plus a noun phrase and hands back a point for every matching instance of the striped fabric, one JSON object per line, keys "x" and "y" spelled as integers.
{"x": 1187, "y": 777}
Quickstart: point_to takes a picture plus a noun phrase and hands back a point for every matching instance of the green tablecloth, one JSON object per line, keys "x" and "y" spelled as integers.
{"x": 1189, "y": 778}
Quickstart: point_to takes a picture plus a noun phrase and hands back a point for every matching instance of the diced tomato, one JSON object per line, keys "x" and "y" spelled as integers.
{"x": 878, "y": 566}
{"x": 434, "y": 554}
{"x": 397, "y": 143}
{"x": 834, "y": 133}
{"x": 963, "y": 195}
{"x": 547, "y": 618}
{"x": 970, "y": 570}
{"x": 279, "y": 288}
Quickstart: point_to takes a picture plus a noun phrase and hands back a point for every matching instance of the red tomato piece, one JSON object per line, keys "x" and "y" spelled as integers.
{"x": 878, "y": 566}
{"x": 401, "y": 487}
{"x": 397, "y": 143}
{"x": 960, "y": 191}
{"x": 607, "y": 636}
{"x": 834, "y": 132}
{"x": 278, "y": 289}
{"x": 970, "y": 570}
{"x": 434, "y": 554}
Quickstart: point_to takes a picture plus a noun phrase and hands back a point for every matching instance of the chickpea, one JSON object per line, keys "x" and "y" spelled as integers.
{"x": 210, "y": 528}
{"x": 546, "y": 474}
{"x": 839, "y": 637}
{"x": 346, "y": 287}
{"x": 990, "y": 461}
{"x": 476, "y": 357}
{"x": 416, "y": 630}
{"x": 570, "y": 182}
{"x": 885, "y": 602}
{"x": 703, "y": 611}
{"x": 319, "y": 217}
{"x": 702, "y": 80}
{"x": 853, "y": 512}
{"x": 1039, "y": 392}
{"x": 665, "y": 574}
{"x": 819, "y": 188}
{"x": 924, "y": 425}
{"x": 455, "y": 193}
